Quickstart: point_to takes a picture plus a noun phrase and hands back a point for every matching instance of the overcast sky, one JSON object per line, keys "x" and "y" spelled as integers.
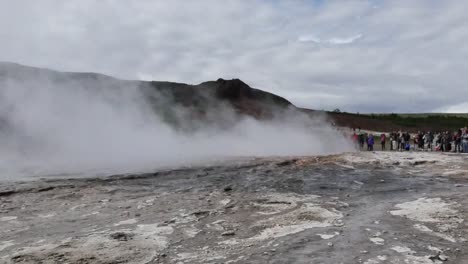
{"x": 359, "y": 56}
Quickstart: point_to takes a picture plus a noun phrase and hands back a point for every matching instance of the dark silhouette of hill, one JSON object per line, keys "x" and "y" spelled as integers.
{"x": 199, "y": 99}
{"x": 184, "y": 106}
{"x": 208, "y": 95}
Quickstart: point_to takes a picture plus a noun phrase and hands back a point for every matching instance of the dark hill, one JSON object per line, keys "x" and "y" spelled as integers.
{"x": 207, "y": 95}
{"x": 176, "y": 103}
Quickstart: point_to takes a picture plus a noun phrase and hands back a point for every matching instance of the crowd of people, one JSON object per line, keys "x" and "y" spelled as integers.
{"x": 404, "y": 141}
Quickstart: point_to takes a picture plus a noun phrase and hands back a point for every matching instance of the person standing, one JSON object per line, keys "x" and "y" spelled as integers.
{"x": 415, "y": 142}
{"x": 390, "y": 139}
{"x": 448, "y": 146}
{"x": 401, "y": 141}
{"x": 438, "y": 141}
{"x": 428, "y": 140}
{"x": 370, "y": 142}
{"x": 361, "y": 140}
{"x": 355, "y": 139}
{"x": 446, "y": 138}
{"x": 420, "y": 140}
{"x": 458, "y": 141}
{"x": 407, "y": 138}
{"x": 443, "y": 141}
{"x": 464, "y": 138}
{"x": 382, "y": 141}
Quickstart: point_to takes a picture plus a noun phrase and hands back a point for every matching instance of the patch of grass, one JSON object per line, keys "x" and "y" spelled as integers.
{"x": 437, "y": 121}
{"x": 409, "y": 122}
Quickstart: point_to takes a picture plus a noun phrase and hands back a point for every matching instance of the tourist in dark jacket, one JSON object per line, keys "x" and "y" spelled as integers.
{"x": 361, "y": 140}
{"x": 420, "y": 140}
{"x": 449, "y": 141}
{"x": 407, "y": 138}
{"x": 446, "y": 138}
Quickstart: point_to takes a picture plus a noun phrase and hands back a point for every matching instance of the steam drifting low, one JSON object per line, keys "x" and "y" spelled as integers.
{"x": 53, "y": 123}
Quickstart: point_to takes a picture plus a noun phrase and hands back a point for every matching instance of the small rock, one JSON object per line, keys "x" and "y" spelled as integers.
{"x": 364, "y": 252}
{"x": 201, "y": 213}
{"x": 172, "y": 221}
{"x": 229, "y": 233}
{"x": 121, "y": 236}
{"x": 330, "y": 244}
{"x": 439, "y": 256}
{"x": 227, "y": 188}
{"x": 125, "y": 213}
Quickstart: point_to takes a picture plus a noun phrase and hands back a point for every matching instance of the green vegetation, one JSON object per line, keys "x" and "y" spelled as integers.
{"x": 435, "y": 121}
{"x": 464, "y": 115}
{"x": 395, "y": 122}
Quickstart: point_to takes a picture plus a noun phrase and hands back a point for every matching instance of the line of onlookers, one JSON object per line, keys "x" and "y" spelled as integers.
{"x": 404, "y": 141}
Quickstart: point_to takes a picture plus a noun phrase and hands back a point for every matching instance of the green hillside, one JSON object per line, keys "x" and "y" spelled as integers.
{"x": 393, "y": 122}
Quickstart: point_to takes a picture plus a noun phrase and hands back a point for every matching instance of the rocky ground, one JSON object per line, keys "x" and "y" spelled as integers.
{"x": 351, "y": 208}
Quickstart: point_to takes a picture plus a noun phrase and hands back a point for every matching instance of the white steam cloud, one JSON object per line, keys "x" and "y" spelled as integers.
{"x": 52, "y": 126}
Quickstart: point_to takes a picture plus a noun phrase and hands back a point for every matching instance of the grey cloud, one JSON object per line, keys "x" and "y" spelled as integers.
{"x": 333, "y": 41}
{"x": 387, "y": 56}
